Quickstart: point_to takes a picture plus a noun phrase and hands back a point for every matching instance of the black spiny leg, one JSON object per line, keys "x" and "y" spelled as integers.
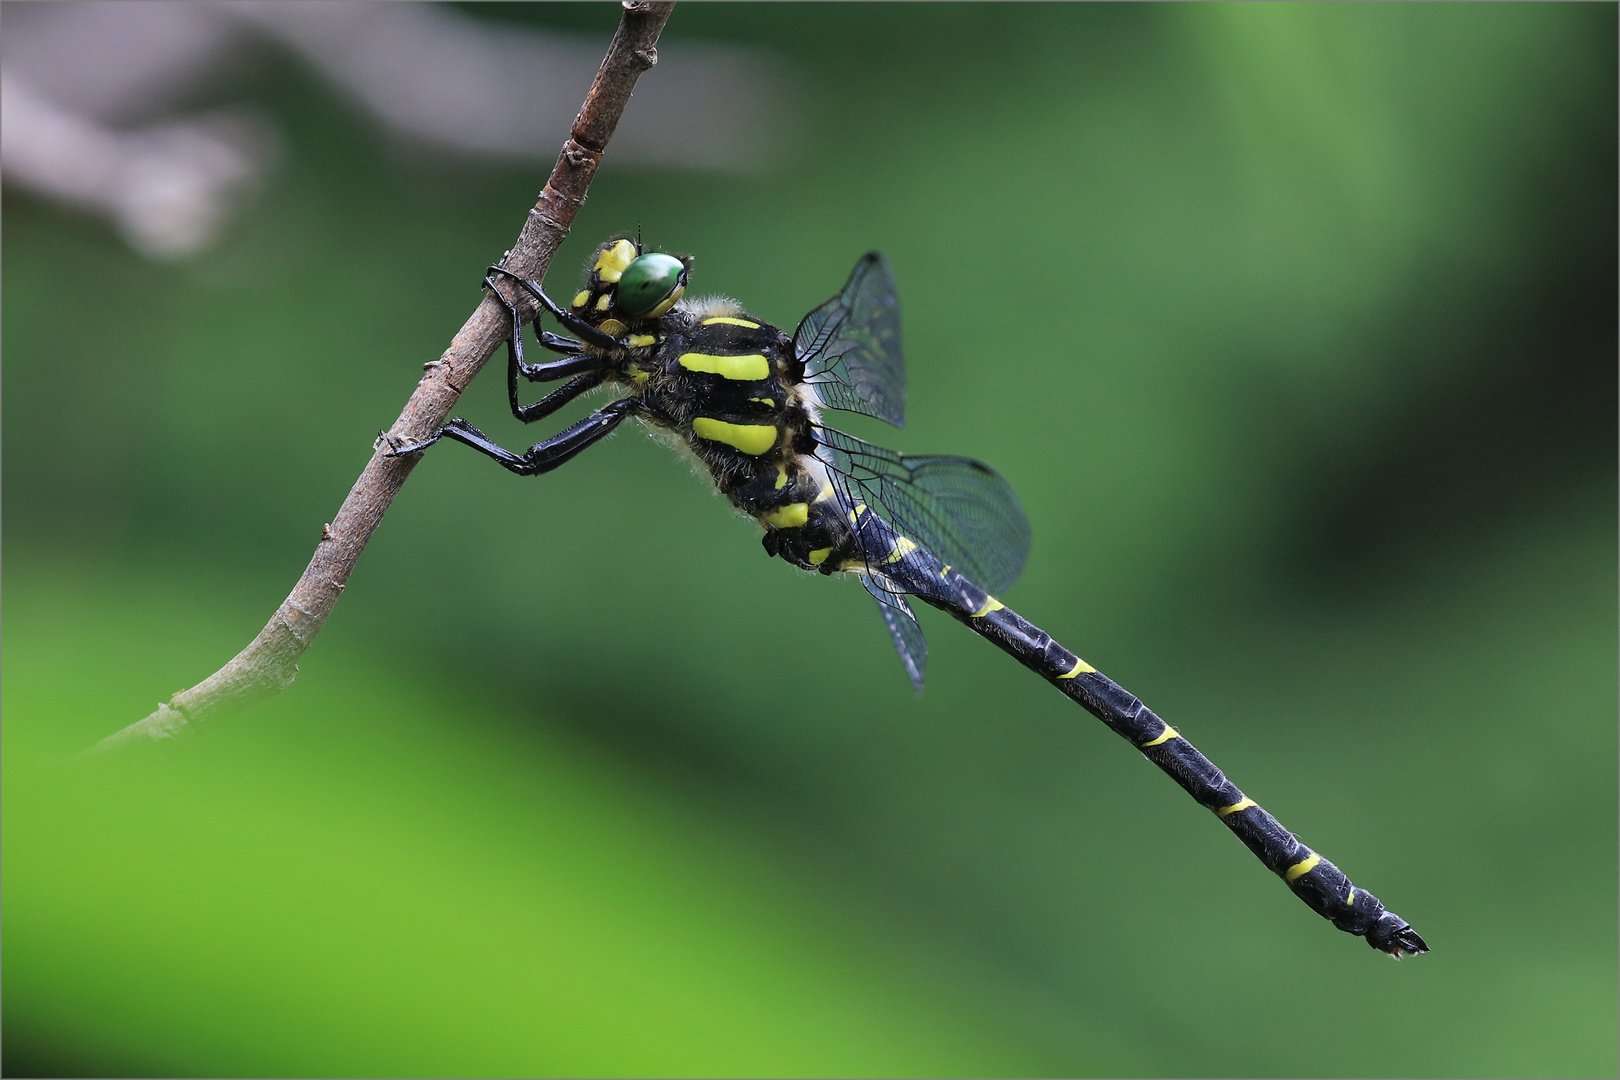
{"x": 555, "y": 400}
{"x": 558, "y": 343}
{"x": 543, "y": 456}
{"x": 588, "y": 333}
{"x": 588, "y": 368}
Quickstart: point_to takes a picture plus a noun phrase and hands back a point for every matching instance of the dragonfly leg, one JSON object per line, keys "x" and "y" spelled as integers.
{"x": 555, "y": 342}
{"x": 555, "y": 400}
{"x": 571, "y": 322}
{"x": 558, "y": 343}
{"x": 543, "y": 456}
{"x": 587, "y": 368}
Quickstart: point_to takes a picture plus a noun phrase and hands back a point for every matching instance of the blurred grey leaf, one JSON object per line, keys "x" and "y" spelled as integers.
{"x": 463, "y": 84}
{"x": 93, "y": 91}
{"x": 168, "y": 186}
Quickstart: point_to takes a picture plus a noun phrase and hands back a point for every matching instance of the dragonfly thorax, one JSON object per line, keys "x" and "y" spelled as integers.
{"x": 727, "y": 383}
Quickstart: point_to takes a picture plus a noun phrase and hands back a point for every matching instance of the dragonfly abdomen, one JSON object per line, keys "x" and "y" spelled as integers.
{"x": 1312, "y": 878}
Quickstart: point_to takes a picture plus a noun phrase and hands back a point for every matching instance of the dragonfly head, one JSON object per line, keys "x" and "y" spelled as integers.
{"x": 627, "y": 284}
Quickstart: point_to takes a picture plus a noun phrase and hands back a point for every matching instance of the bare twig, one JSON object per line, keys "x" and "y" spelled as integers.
{"x": 270, "y": 662}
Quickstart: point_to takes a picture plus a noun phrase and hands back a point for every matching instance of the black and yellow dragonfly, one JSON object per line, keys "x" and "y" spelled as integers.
{"x": 749, "y": 400}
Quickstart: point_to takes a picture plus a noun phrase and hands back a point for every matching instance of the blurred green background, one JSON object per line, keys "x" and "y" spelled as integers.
{"x": 1294, "y": 326}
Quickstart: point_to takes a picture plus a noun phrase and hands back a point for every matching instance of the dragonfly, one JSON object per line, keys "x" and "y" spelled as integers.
{"x": 749, "y": 401}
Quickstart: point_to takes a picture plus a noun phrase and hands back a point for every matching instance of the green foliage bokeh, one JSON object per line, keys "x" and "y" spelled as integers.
{"x": 1292, "y": 325}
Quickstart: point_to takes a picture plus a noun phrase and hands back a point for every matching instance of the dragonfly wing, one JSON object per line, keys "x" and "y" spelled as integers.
{"x": 961, "y": 511}
{"x": 904, "y": 629}
{"x": 850, "y": 346}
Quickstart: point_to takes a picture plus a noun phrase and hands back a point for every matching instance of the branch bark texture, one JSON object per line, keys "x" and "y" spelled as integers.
{"x": 269, "y": 663}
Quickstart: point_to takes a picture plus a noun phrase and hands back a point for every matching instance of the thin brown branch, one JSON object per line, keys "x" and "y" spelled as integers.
{"x": 270, "y": 662}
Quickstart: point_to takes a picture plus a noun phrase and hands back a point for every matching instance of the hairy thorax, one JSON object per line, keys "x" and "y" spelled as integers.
{"x": 728, "y": 386}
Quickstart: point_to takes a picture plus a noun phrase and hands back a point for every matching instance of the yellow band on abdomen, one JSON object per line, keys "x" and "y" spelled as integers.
{"x": 1080, "y": 667}
{"x": 1301, "y": 868}
{"x": 1242, "y": 804}
{"x": 741, "y": 368}
{"x": 752, "y": 439}
{"x": 1164, "y": 736}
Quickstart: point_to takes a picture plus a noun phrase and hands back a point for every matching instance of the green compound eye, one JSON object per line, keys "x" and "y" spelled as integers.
{"x": 650, "y": 286}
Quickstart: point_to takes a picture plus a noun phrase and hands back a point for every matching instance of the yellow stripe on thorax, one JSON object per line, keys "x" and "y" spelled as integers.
{"x": 790, "y": 516}
{"x": 727, "y": 320}
{"x": 741, "y": 368}
{"x": 819, "y": 556}
{"x": 752, "y": 439}
{"x": 1080, "y": 668}
{"x": 1301, "y": 868}
{"x": 1242, "y": 804}
{"x": 1164, "y": 736}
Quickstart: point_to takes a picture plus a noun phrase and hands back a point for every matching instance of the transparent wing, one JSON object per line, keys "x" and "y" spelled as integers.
{"x": 903, "y": 628}
{"x": 850, "y": 345}
{"x": 960, "y": 510}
